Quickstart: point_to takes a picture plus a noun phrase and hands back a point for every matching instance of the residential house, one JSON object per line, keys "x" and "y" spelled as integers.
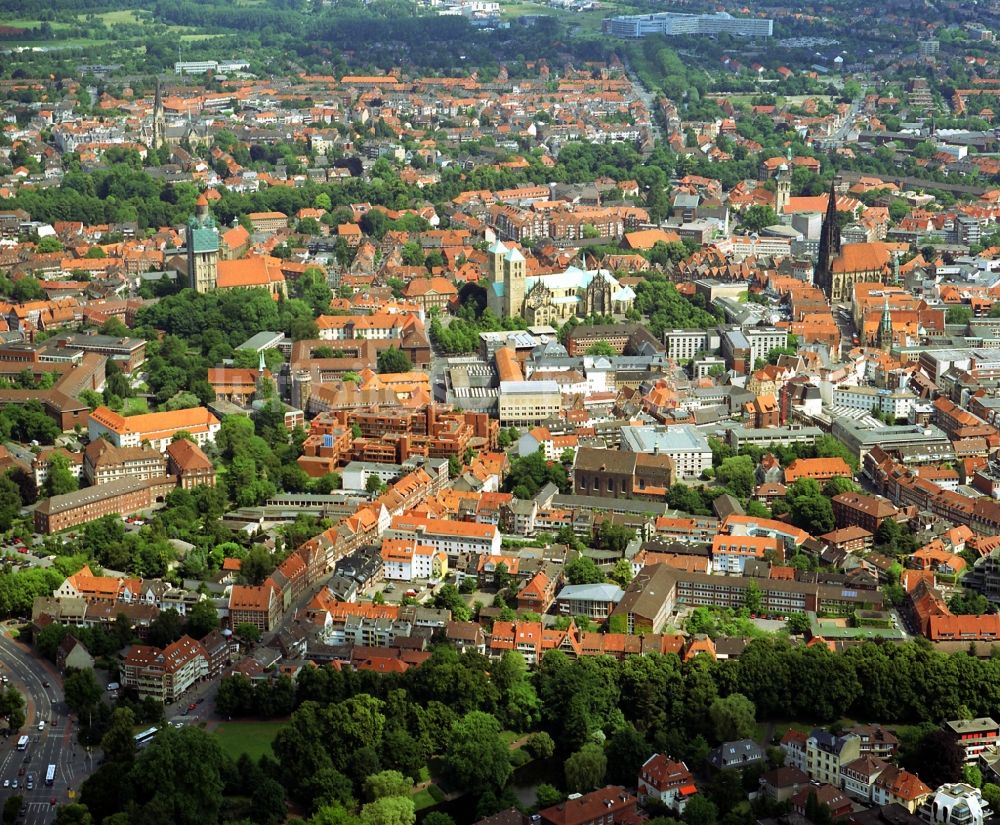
{"x": 666, "y": 780}
{"x": 607, "y": 805}
{"x": 743, "y": 753}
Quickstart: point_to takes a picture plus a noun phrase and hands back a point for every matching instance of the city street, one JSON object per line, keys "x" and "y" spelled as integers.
{"x": 55, "y": 745}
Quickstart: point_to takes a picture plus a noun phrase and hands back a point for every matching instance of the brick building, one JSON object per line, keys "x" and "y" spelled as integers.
{"x": 862, "y": 510}
{"x": 188, "y": 462}
{"x": 130, "y": 495}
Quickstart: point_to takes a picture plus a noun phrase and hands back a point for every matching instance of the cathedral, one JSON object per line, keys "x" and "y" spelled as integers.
{"x": 839, "y": 268}
{"x": 551, "y": 299}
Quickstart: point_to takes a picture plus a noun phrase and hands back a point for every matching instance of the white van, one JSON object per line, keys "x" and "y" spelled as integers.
{"x": 41, "y": 725}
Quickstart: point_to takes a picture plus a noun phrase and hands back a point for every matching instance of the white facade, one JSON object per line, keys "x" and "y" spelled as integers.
{"x": 685, "y": 343}
{"x": 956, "y": 804}
{"x": 524, "y": 403}
{"x": 686, "y": 446}
{"x": 897, "y": 403}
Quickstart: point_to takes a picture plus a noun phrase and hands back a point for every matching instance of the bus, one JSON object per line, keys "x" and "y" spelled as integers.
{"x": 22, "y": 743}
{"x": 145, "y": 737}
{"x": 50, "y": 775}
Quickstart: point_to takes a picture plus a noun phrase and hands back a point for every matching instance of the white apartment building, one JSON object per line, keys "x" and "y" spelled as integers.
{"x": 686, "y": 343}
{"x": 450, "y": 537}
{"x": 686, "y": 446}
{"x": 897, "y": 403}
{"x": 406, "y": 560}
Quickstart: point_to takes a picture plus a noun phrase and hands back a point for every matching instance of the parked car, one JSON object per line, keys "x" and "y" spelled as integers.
{"x": 192, "y": 706}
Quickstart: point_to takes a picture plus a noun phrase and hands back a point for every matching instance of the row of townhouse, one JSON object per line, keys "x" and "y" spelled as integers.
{"x": 855, "y": 762}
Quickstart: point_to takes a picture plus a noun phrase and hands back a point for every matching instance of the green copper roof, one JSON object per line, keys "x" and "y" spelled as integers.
{"x": 203, "y": 239}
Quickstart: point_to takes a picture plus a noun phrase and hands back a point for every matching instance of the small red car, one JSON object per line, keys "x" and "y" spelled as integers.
{"x": 193, "y": 706}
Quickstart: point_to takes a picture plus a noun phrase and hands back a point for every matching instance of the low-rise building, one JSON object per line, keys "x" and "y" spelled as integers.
{"x": 684, "y": 444}
{"x": 956, "y": 803}
{"x": 123, "y": 497}
{"x": 666, "y": 780}
{"x": 158, "y": 429}
{"x": 188, "y": 462}
{"x": 165, "y": 674}
{"x": 973, "y": 736}
{"x": 103, "y": 462}
{"x": 595, "y": 601}
{"x": 607, "y": 805}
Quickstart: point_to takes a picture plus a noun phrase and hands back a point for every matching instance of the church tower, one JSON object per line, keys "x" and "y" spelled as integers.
{"x": 202, "y": 248}
{"x": 159, "y": 123}
{"x": 495, "y": 299}
{"x": 884, "y": 337}
{"x": 515, "y": 272}
{"x": 829, "y": 246}
{"x": 784, "y": 190}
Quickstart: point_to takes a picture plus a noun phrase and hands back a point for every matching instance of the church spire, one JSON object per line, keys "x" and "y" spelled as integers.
{"x": 159, "y": 126}
{"x": 884, "y": 337}
{"x": 829, "y": 245}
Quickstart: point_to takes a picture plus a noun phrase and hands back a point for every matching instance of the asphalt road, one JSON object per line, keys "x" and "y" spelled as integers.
{"x": 56, "y": 745}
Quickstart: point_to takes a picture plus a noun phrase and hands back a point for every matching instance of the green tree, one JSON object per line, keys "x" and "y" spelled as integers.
{"x": 585, "y": 769}
{"x": 540, "y": 745}
{"x": 969, "y": 603}
{"x": 583, "y": 570}
{"x": 257, "y": 566}
{"x": 247, "y": 632}
{"x": 202, "y": 619}
{"x": 700, "y": 811}
{"x": 798, "y": 623}
{"x": 12, "y": 809}
{"x": 958, "y": 315}
{"x": 390, "y": 810}
{"x": 59, "y": 480}
{"x": 737, "y": 474}
{"x": 387, "y": 783}
{"x": 602, "y": 348}
{"x": 476, "y": 757}
{"x": 10, "y": 501}
{"x": 733, "y": 717}
{"x": 393, "y": 360}
{"x": 12, "y": 706}
{"x": 178, "y": 778}
{"x": 82, "y": 691}
{"x": 50, "y": 243}
{"x": 757, "y": 218}
{"x": 166, "y": 628}
{"x": 118, "y": 743}
{"x": 622, "y": 573}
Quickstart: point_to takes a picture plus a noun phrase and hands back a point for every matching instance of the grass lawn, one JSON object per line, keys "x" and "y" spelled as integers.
{"x": 427, "y": 797}
{"x": 110, "y": 18}
{"x": 252, "y": 738}
{"x": 32, "y": 23}
{"x": 135, "y": 406}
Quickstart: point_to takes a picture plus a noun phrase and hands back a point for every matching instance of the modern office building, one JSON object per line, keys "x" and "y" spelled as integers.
{"x": 672, "y": 24}
{"x": 686, "y": 446}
